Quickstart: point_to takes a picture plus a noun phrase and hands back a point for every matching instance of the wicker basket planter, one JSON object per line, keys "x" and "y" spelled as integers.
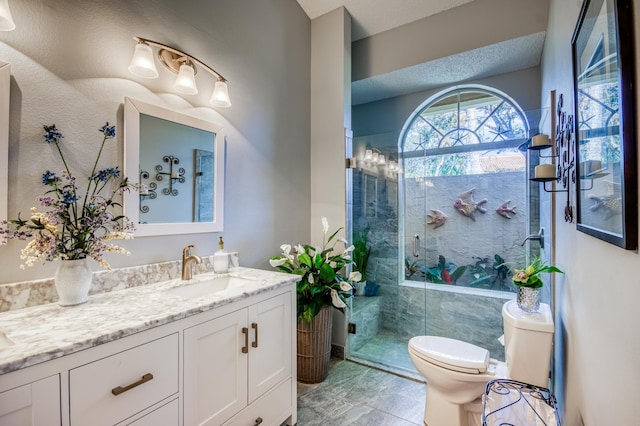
{"x": 314, "y": 347}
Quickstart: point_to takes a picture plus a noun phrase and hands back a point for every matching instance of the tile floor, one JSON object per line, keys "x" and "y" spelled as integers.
{"x": 357, "y": 395}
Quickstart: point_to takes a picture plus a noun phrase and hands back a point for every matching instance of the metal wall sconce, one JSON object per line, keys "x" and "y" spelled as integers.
{"x": 564, "y": 153}
{"x": 173, "y": 176}
{"x": 180, "y": 63}
{"x": 146, "y": 191}
{"x": 6, "y": 20}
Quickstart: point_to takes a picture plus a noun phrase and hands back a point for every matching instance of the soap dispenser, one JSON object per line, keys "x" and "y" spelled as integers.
{"x": 220, "y": 259}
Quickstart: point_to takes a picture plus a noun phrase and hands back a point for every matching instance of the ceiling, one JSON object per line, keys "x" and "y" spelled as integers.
{"x": 370, "y": 17}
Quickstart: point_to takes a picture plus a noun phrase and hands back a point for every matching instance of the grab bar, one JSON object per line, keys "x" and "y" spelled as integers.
{"x": 416, "y": 245}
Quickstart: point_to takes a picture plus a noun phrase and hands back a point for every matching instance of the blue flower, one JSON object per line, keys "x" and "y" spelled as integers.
{"x": 104, "y": 174}
{"x": 49, "y": 178}
{"x": 109, "y": 132}
{"x": 69, "y": 195}
{"x": 51, "y": 134}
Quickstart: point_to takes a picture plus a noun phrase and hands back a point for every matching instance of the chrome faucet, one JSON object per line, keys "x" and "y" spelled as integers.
{"x": 187, "y": 262}
{"x": 539, "y": 236}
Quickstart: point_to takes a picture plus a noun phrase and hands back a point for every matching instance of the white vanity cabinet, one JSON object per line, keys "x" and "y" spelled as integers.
{"x": 208, "y": 362}
{"x": 240, "y": 364}
{"x": 36, "y": 403}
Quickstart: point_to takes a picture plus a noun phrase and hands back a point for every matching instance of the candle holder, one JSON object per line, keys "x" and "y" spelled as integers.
{"x": 173, "y": 176}
{"x": 146, "y": 191}
{"x": 563, "y": 150}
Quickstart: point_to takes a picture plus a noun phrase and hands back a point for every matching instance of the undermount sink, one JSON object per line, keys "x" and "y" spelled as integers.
{"x": 213, "y": 285}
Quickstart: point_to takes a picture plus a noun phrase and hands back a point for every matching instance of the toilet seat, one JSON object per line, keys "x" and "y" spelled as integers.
{"x": 451, "y": 354}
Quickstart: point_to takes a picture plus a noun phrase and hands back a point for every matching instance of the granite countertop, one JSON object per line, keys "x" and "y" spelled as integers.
{"x": 32, "y": 335}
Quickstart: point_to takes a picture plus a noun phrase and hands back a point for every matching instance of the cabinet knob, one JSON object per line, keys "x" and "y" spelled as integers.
{"x": 258, "y": 421}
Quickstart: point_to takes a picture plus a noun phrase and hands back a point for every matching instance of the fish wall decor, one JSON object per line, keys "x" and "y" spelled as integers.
{"x": 610, "y": 203}
{"x": 505, "y": 211}
{"x": 467, "y": 206}
{"x": 436, "y": 218}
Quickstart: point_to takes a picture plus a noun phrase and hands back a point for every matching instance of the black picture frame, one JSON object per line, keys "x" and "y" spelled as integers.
{"x": 604, "y": 101}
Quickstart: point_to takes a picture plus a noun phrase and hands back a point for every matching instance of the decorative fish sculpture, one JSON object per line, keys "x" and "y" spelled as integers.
{"x": 467, "y": 206}
{"x": 610, "y": 203}
{"x": 505, "y": 211}
{"x": 436, "y": 218}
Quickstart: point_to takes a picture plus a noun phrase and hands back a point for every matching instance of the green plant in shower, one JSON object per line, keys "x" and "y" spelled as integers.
{"x": 361, "y": 252}
{"x": 412, "y": 268}
{"x": 488, "y": 274}
{"x": 444, "y": 272}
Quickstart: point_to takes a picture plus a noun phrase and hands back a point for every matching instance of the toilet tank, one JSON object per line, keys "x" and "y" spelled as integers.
{"x": 528, "y": 338}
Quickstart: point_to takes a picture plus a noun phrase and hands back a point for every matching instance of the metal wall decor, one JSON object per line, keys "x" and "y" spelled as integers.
{"x": 564, "y": 154}
{"x": 603, "y": 77}
{"x": 173, "y": 176}
{"x": 146, "y": 191}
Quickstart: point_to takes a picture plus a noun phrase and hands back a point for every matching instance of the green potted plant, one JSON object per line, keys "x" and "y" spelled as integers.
{"x": 360, "y": 255}
{"x": 529, "y": 284}
{"x": 321, "y": 287}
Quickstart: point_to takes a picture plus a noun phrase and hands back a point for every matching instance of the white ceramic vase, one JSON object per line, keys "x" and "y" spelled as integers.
{"x": 73, "y": 281}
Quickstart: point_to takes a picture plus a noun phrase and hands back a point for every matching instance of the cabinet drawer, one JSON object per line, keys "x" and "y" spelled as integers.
{"x": 142, "y": 376}
{"x": 271, "y": 409}
{"x": 167, "y": 415}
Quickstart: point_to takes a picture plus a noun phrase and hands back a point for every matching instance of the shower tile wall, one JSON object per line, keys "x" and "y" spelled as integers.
{"x": 409, "y": 311}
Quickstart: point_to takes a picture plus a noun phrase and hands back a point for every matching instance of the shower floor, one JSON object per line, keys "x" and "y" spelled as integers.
{"x": 387, "y": 351}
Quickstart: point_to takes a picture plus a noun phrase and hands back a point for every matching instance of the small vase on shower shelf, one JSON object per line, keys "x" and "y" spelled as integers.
{"x": 529, "y": 284}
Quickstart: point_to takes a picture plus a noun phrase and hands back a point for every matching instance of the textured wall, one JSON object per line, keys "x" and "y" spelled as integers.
{"x": 69, "y": 63}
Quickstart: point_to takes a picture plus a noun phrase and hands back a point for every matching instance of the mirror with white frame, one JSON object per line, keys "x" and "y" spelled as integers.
{"x": 5, "y": 82}
{"x": 177, "y": 162}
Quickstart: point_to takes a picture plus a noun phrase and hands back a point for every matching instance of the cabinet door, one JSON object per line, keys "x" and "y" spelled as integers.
{"x": 36, "y": 403}
{"x": 215, "y": 370}
{"x": 270, "y": 348}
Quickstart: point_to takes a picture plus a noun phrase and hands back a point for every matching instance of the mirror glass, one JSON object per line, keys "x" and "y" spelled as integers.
{"x": 177, "y": 161}
{"x": 5, "y": 77}
{"x": 605, "y": 123}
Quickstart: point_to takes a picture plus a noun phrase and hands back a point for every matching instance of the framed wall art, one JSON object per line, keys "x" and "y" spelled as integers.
{"x": 603, "y": 76}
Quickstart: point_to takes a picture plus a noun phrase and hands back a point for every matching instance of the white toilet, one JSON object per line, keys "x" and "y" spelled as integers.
{"x": 457, "y": 372}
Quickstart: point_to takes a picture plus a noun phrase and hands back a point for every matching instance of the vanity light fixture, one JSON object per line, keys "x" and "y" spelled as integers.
{"x": 178, "y": 62}
{"x": 6, "y": 20}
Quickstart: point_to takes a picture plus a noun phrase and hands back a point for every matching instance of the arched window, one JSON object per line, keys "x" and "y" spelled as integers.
{"x": 462, "y": 131}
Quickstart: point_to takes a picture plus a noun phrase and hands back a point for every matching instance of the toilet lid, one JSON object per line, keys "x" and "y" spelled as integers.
{"x": 452, "y": 354}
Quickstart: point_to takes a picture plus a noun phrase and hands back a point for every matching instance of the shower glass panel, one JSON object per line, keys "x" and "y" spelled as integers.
{"x": 376, "y": 217}
{"x": 444, "y": 206}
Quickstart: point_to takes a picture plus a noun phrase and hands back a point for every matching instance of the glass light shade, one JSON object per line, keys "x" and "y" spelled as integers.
{"x": 6, "y": 20}
{"x": 368, "y": 155}
{"x": 220, "y": 96}
{"x": 381, "y": 160}
{"x": 186, "y": 81}
{"x": 375, "y": 157}
{"x": 142, "y": 63}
